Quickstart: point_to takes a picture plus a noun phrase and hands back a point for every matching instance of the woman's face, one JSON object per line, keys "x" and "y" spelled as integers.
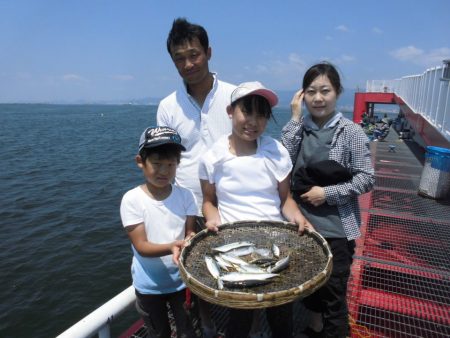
{"x": 320, "y": 99}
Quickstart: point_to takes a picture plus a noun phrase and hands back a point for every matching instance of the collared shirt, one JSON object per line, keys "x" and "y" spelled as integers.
{"x": 350, "y": 148}
{"x": 199, "y": 127}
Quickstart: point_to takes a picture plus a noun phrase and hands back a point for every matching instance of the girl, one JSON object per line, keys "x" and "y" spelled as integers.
{"x": 246, "y": 176}
{"x": 334, "y": 152}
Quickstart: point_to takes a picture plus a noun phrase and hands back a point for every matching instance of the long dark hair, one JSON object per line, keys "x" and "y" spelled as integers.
{"x": 327, "y": 69}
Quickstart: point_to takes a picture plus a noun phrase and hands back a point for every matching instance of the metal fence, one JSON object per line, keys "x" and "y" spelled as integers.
{"x": 427, "y": 94}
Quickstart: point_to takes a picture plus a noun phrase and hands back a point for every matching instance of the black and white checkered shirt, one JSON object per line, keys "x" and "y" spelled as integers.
{"x": 350, "y": 148}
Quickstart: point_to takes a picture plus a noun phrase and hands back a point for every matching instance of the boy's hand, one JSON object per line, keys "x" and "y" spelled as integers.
{"x": 176, "y": 250}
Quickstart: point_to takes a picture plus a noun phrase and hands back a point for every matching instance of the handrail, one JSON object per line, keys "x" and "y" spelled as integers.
{"x": 97, "y": 322}
{"x": 427, "y": 94}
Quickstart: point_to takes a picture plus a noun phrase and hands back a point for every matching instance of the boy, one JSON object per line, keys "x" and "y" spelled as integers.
{"x": 158, "y": 216}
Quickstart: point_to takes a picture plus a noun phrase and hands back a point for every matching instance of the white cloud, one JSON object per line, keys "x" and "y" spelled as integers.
{"x": 377, "y": 30}
{"x": 418, "y": 56}
{"x": 73, "y": 78}
{"x": 123, "y": 77}
{"x": 342, "y": 28}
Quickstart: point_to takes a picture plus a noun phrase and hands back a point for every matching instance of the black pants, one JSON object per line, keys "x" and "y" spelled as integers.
{"x": 153, "y": 309}
{"x": 330, "y": 299}
{"x": 279, "y": 318}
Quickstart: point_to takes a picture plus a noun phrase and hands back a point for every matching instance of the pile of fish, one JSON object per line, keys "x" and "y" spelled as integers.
{"x": 228, "y": 268}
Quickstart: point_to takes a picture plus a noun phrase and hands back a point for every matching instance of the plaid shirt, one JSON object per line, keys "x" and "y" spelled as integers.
{"x": 350, "y": 148}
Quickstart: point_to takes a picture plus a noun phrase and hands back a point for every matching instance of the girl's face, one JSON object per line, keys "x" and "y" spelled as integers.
{"x": 320, "y": 99}
{"x": 247, "y": 125}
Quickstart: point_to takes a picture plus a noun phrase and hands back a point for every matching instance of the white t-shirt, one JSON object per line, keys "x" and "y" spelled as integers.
{"x": 164, "y": 223}
{"x": 198, "y": 127}
{"x": 247, "y": 186}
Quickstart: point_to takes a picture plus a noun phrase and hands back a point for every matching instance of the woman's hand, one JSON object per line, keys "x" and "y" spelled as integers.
{"x": 315, "y": 196}
{"x": 296, "y": 105}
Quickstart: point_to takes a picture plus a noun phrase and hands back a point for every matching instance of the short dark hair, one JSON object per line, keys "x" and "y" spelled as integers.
{"x": 182, "y": 31}
{"x": 255, "y": 103}
{"x": 327, "y": 69}
{"x": 165, "y": 151}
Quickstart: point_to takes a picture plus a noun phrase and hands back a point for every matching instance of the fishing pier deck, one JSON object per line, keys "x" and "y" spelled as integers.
{"x": 400, "y": 285}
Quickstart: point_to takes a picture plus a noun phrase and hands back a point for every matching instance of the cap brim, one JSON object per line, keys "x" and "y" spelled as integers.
{"x": 158, "y": 144}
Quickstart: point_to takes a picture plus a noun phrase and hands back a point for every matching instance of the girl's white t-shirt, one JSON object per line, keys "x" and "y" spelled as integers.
{"x": 247, "y": 186}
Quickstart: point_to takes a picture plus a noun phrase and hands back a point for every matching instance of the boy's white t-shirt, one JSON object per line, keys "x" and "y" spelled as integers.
{"x": 164, "y": 223}
{"x": 247, "y": 186}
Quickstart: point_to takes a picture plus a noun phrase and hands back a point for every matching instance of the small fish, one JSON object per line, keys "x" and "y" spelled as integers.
{"x": 263, "y": 261}
{"x": 275, "y": 250}
{"x": 212, "y": 267}
{"x": 242, "y": 251}
{"x": 262, "y": 252}
{"x": 233, "y": 260}
{"x": 231, "y": 246}
{"x": 250, "y": 269}
{"x": 246, "y": 277}
{"x": 280, "y": 265}
{"x": 223, "y": 263}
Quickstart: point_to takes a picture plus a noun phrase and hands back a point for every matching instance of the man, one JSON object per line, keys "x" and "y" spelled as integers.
{"x": 197, "y": 110}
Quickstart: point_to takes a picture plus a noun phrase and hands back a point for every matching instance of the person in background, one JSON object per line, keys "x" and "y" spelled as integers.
{"x": 158, "y": 217}
{"x": 246, "y": 176}
{"x": 321, "y": 140}
{"x": 197, "y": 111}
{"x": 381, "y": 130}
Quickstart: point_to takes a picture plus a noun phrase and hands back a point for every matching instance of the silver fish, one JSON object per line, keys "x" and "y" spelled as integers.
{"x": 236, "y": 277}
{"x": 233, "y": 260}
{"x": 231, "y": 246}
{"x": 212, "y": 267}
{"x": 223, "y": 263}
{"x": 276, "y": 250}
{"x": 242, "y": 251}
{"x": 280, "y": 265}
{"x": 250, "y": 269}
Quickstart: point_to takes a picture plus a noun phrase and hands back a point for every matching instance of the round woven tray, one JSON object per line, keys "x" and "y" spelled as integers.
{"x": 309, "y": 268}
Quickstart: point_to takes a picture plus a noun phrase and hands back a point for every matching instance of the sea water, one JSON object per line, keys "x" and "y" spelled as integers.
{"x": 63, "y": 250}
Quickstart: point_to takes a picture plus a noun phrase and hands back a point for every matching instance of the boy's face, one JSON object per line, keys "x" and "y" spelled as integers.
{"x": 159, "y": 172}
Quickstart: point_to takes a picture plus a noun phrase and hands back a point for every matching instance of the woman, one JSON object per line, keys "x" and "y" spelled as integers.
{"x": 332, "y": 166}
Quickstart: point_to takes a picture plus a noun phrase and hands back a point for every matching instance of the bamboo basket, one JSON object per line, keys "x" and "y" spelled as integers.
{"x": 309, "y": 268}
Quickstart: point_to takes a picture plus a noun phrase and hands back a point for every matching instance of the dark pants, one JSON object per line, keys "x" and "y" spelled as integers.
{"x": 279, "y": 318}
{"x": 330, "y": 299}
{"x": 154, "y": 312}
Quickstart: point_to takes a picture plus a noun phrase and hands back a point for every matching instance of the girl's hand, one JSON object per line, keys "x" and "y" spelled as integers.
{"x": 212, "y": 225}
{"x": 315, "y": 196}
{"x": 302, "y": 223}
{"x": 296, "y": 105}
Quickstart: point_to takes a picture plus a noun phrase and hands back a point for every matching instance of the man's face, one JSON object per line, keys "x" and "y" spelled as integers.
{"x": 191, "y": 61}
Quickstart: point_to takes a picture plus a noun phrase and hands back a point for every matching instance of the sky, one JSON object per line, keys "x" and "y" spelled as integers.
{"x": 97, "y": 51}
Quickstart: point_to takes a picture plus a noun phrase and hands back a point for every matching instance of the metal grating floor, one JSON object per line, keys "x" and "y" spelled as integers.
{"x": 400, "y": 282}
